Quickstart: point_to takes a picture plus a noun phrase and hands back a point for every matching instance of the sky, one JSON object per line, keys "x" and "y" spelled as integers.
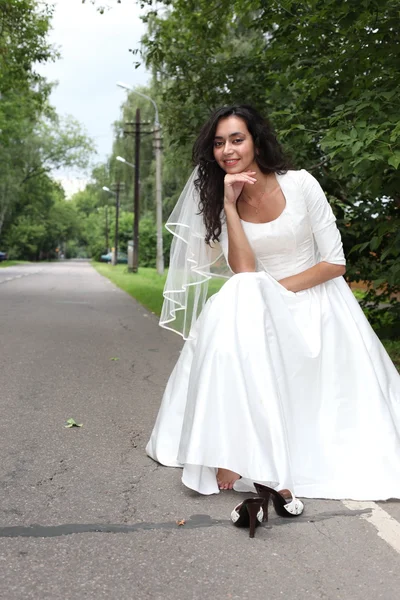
{"x": 94, "y": 56}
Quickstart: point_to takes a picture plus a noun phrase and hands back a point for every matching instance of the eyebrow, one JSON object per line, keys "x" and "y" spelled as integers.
{"x": 219, "y": 137}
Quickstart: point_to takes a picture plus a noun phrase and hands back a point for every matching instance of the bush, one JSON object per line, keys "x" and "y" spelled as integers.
{"x": 74, "y": 250}
{"x": 148, "y": 243}
{"x": 96, "y": 249}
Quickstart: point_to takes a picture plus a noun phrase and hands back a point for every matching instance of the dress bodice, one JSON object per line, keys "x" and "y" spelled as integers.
{"x": 304, "y": 234}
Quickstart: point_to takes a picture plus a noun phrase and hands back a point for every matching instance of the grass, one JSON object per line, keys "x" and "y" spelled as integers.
{"x": 147, "y": 286}
{"x": 11, "y": 263}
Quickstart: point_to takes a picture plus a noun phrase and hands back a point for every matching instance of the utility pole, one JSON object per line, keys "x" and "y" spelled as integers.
{"x": 137, "y": 132}
{"x": 136, "y": 202}
{"x": 107, "y": 241}
{"x": 160, "y": 255}
{"x": 117, "y": 190}
{"x": 157, "y": 147}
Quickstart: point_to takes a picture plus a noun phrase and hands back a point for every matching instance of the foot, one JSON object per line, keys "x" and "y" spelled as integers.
{"x": 287, "y": 494}
{"x": 226, "y": 479}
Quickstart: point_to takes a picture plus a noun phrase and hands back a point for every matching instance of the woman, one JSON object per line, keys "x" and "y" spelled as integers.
{"x": 281, "y": 381}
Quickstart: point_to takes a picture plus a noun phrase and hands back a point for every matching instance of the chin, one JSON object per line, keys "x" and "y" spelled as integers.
{"x": 231, "y": 169}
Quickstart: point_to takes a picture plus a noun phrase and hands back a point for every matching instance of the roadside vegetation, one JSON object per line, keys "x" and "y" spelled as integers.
{"x": 35, "y": 218}
{"x": 11, "y": 263}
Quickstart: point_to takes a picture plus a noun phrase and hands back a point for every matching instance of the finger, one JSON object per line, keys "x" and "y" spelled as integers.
{"x": 247, "y": 180}
{"x": 240, "y": 177}
{"x": 242, "y": 174}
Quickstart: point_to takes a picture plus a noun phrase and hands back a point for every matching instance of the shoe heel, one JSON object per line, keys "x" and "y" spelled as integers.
{"x": 252, "y": 509}
{"x": 265, "y": 508}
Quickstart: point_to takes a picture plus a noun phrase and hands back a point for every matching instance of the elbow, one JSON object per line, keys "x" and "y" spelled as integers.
{"x": 337, "y": 270}
{"x": 342, "y": 270}
{"x": 242, "y": 266}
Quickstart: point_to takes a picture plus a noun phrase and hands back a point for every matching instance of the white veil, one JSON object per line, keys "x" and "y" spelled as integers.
{"x": 192, "y": 264}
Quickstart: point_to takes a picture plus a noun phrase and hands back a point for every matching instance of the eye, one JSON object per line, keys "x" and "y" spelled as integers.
{"x": 217, "y": 144}
{"x": 238, "y": 140}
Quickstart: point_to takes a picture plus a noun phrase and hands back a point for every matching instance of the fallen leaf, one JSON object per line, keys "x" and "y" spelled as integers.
{"x": 73, "y": 423}
{"x": 181, "y": 522}
{"x": 114, "y": 358}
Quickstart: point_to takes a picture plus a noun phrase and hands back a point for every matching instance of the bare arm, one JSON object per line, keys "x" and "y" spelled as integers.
{"x": 241, "y": 257}
{"x": 315, "y": 275}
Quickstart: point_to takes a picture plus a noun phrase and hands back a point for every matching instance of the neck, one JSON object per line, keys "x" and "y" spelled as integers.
{"x": 264, "y": 183}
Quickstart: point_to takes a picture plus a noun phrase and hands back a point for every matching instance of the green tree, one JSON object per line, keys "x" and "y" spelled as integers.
{"x": 34, "y": 140}
{"x": 56, "y": 142}
{"x": 46, "y": 147}
{"x": 24, "y": 25}
{"x": 43, "y": 220}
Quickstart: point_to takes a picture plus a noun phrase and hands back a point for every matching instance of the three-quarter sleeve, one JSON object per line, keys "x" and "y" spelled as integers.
{"x": 323, "y": 221}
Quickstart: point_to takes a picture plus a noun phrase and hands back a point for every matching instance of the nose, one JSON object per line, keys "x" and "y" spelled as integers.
{"x": 228, "y": 148}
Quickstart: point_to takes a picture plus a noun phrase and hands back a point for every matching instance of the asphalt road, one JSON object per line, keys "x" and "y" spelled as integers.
{"x": 85, "y": 514}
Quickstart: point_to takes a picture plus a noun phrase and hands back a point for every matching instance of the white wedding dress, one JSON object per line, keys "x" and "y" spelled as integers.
{"x": 293, "y": 390}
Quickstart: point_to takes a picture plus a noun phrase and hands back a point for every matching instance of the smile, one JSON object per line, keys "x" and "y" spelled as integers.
{"x": 231, "y": 161}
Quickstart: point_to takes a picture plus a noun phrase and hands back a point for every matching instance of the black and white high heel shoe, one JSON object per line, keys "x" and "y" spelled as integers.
{"x": 284, "y": 507}
{"x": 249, "y": 513}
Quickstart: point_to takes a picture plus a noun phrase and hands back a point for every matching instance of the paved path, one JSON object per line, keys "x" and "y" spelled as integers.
{"x": 85, "y": 514}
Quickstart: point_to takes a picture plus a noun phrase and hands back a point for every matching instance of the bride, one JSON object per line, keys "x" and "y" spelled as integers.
{"x": 281, "y": 381}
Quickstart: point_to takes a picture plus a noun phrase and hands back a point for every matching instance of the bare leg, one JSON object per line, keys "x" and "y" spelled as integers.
{"x": 226, "y": 479}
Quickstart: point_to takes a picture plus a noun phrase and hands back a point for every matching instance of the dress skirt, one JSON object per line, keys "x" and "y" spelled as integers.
{"x": 293, "y": 390}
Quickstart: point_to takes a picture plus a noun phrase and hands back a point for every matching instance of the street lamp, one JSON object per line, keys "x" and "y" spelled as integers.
{"x": 123, "y": 160}
{"x": 157, "y": 139}
{"x": 116, "y": 194}
{"x": 136, "y": 211}
{"x": 125, "y": 86}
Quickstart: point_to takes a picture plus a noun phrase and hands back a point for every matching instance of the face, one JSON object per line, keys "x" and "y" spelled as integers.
{"x": 234, "y": 148}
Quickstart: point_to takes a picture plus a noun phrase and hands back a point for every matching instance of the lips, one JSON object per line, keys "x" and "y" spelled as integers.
{"x": 231, "y": 162}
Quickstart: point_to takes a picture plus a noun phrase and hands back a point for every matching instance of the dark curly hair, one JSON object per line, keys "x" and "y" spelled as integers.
{"x": 210, "y": 182}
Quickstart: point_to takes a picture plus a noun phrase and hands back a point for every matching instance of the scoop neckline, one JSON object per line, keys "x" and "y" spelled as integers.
{"x": 278, "y": 179}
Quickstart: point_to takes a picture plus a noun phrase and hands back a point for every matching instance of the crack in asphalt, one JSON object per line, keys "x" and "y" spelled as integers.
{"x": 52, "y": 493}
{"x": 129, "y": 511}
{"x": 59, "y": 471}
